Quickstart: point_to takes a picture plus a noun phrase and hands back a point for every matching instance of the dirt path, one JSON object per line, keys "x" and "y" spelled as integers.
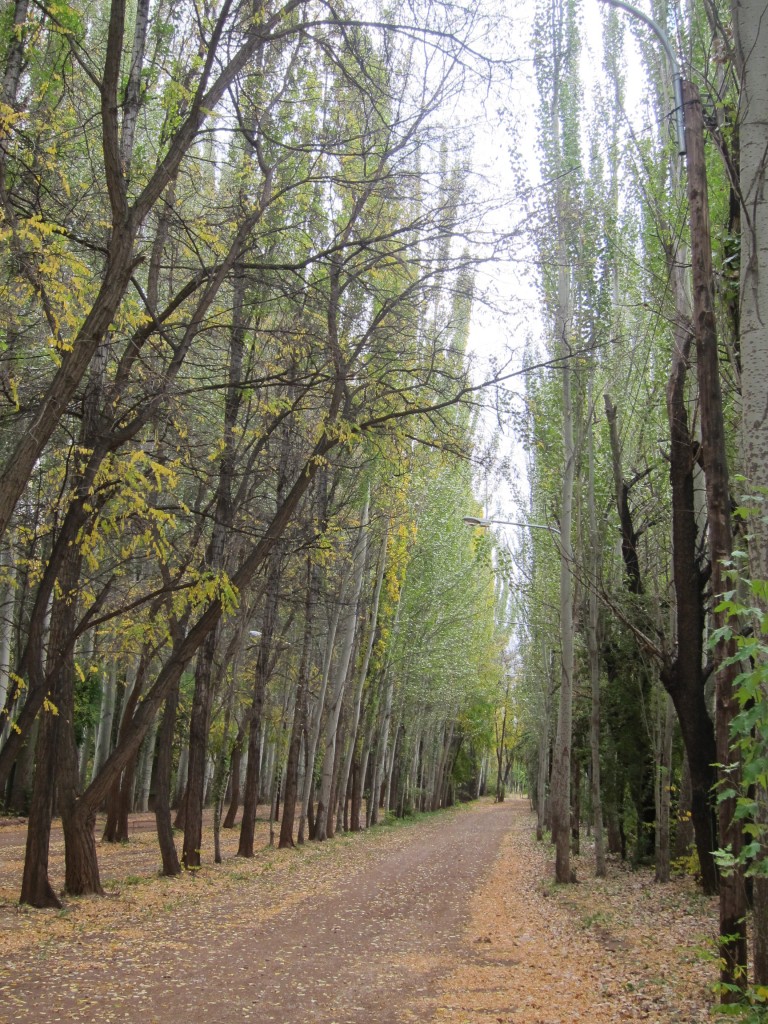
{"x": 451, "y": 920}
{"x": 616, "y": 949}
{"x": 358, "y": 931}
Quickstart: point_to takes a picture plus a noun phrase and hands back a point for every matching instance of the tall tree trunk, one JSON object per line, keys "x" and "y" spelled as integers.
{"x": 106, "y": 719}
{"x": 751, "y": 36}
{"x": 380, "y": 745}
{"x": 36, "y": 889}
{"x": 315, "y": 726}
{"x": 81, "y": 873}
{"x": 234, "y": 776}
{"x": 358, "y": 791}
{"x": 298, "y": 729}
{"x": 363, "y": 668}
{"x": 222, "y": 763}
{"x": 261, "y": 676}
{"x": 733, "y": 939}
{"x": 170, "y": 858}
{"x": 593, "y": 649}
{"x": 57, "y": 750}
{"x": 561, "y": 774}
{"x": 202, "y": 700}
{"x": 120, "y": 800}
{"x": 544, "y": 751}
{"x": 683, "y": 677}
{"x": 340, "y": 678}
{"x": 145, "y": 765}
{"x": 7, "y": 604}
{"x": 664, "y": 790}
{"x": 199, "y": 728}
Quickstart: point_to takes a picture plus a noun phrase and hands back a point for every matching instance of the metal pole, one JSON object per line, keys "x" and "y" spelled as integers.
{"x": 484, "y": 523}
{"x": 677, "y": 78}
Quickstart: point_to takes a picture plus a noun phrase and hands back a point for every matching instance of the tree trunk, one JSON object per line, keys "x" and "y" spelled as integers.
{"x": 340, "y": 679}
{"x": 120, "y": 799}
{"x": 733, "y": 939}
{"x": 683, "y": 677}
{"x": 575, "y": 823}
{"x": 381, "y": 745}
{"x": 561, "y": 774}
{"x": 106, "y": 718}
{"x": 181, "y": 777}
{"x": 330, "y": 821}
{"x": 234, "y": 776}
{"x": 363, "y": 668}
{"x": 145, "y": 765}
{"x": 21, "y": 781}
{"x": 664, "y": 791}
{"x": 544, "y": 751}
{"x": 751, "y": 37}
{"x": 300, "y": 709}
{"x": 199, "y": 728}
{"x": 170, "y": 859}
{"x": 358, "y": 789}
{"x": 7, "y": 604}
{"x": 593, "y": 650}
{"x": 261, "y": 676}
{"x": 391, "y": 767}
{"x": 314, "y": 729}
{"x": 58, "y": 753}
{"x": 35, "y": 887}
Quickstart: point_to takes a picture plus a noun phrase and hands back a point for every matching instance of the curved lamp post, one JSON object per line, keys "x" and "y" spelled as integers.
{"x": 677, "y": 78}
{"x": 485, "y": 523}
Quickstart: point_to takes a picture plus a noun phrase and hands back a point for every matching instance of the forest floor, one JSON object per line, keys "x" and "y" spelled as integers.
{"x": 451, "y": 919}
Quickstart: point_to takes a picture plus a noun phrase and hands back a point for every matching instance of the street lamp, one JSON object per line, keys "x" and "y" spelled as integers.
{"x": 677, "y": 78}
{"x": 485, "y": 523}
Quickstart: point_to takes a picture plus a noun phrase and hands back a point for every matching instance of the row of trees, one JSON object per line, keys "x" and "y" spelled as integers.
{"x": 653, "y": 402}
{"x": 236, "y": 413}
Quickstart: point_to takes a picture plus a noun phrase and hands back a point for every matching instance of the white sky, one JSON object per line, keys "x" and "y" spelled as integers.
{"x": 512, "y": 284}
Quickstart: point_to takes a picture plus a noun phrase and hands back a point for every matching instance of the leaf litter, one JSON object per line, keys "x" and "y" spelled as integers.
{"x": 603, "y": 950}
{"x": 621, "y": 948}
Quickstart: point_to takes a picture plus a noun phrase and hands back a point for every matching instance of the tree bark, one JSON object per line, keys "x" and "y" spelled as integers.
{"x": 146, "y": 762}
{"x": 36, "y": 889}
{"x": 593, "y": 651}
{"x": 663, "y": 791}
{"x": 106, "y": 719}
{"x": 261, "y": 676}
{"x": 733, "y": 906}
{"x": 120, "y": 799}
{"x": 683, "y": 677}
{"x": 170, "y": 859}
{"x": 199, "y": 727}
{"x": 363, "y": 669}
{"x": 234, "y": 775}
{"x": 340, "y": 679}
{"x": 291, "y": 778}
{"x": 561, "y": 774}
{"x": 751, "y": 37}
{"x": 307, "y": 811}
